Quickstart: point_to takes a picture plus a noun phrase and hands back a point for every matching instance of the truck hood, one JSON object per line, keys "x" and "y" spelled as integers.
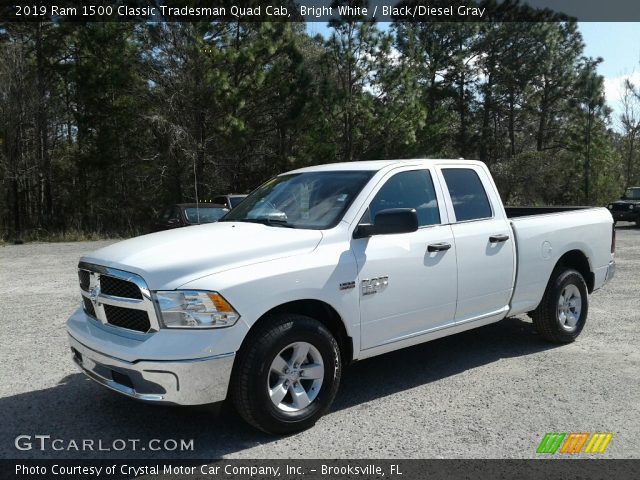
{"x": 169, "y": 259}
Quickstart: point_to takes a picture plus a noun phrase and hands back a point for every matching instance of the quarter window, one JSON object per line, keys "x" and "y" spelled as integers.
{"x": 469, "y": 198}
{"x": 412, "y": 189}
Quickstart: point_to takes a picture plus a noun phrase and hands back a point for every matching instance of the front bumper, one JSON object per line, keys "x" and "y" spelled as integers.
{"x": 626, "y": 216}
{"x": 611, "y": 271}
{"x": 180, "y": 382}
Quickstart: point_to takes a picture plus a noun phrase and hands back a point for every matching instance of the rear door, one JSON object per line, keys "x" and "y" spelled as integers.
{"x": 406, "y": 289}
{"x": 484, "y": 244}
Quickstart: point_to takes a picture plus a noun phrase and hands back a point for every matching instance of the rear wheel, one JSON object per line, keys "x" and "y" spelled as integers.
{"x": 287, "y": 375}
{"x": 562, "y": 314}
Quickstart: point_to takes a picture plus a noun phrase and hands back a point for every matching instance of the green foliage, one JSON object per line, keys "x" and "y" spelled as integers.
{"x": 102, "y": 124}
{"x": 538, "y": 178}
{"x": 630, "y": 145}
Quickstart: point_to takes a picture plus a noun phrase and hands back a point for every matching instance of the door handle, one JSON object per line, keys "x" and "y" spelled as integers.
{"x": 438, "y": 247}
{"x": 498, "y": 238}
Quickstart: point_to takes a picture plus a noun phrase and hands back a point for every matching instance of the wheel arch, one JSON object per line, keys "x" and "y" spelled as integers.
{"x": 318, "y": 310}
{"x": 577, "y": 260}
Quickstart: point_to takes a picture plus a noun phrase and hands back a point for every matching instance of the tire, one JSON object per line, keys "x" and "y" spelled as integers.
{"x": 269, "y": 364}
{"x": 558, "y": 318}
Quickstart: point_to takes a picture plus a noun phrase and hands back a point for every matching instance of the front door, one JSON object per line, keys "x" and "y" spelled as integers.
{"x": 407, "y": 281}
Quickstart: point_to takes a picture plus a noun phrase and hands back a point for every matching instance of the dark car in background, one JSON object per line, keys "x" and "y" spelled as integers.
{"x": 185, "y": 214}
{"x": 230, "y": 200}
{"x": 627, "y": 209}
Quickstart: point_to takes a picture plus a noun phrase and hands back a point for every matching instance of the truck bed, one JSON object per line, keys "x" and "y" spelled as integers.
{"x": 544, "y": 234}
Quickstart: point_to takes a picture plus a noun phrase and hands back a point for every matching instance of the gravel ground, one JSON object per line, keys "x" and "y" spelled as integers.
{"x": 489, "y": 393}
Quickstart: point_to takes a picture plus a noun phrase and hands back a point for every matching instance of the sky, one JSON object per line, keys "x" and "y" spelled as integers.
{"x": 619, "y": 46}
{"x": 617, "y": 43}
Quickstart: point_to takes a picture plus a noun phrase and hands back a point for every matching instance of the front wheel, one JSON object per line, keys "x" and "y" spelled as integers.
{"x": 287, "y": 374}
{"x": 562, "y": 313}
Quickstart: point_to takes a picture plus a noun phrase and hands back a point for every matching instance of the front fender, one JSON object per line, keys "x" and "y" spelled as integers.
{"x": 256, "y": 289}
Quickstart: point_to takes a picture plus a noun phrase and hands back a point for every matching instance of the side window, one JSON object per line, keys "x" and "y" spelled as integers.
{"x": 412, "y": 189}
{"x": 469, "y": 198}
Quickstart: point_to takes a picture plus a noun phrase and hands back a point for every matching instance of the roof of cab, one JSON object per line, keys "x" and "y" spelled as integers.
{"x": 375, "y": 165}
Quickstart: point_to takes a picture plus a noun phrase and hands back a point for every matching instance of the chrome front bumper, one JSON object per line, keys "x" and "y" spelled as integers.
{"x": 185, "y": 382}
{"x": 611, "y": 271}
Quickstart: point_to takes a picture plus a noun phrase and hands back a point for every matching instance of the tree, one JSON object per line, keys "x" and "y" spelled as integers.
{"x": 426, "y": 49}
{"x": 589, "y": 101}
{"x": 462, "y": 78}
{"x": 16, "y": 108}
{"x": 560, "y": 49}
{"x": 630, "y": 120}
{"x": 348, "y": 65}
{"x": 103, "y": 124}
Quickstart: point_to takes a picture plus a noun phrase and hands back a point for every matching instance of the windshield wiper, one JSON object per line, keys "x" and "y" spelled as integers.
{"x": 272, "y": 222}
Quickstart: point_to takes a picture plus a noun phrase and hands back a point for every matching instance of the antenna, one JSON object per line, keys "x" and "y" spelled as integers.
{"x": 195, "y": 188}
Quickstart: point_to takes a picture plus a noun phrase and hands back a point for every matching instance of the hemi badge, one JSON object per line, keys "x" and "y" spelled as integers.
{"x": 347, "y": 285}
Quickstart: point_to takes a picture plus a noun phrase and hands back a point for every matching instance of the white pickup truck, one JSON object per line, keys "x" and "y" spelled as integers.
{"x": 323, "y": 266}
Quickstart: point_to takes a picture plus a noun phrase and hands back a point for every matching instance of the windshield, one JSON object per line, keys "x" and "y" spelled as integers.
{"x": 314, "y": 200}
{"x": 632, "y": 194}
{"x": 207, "y": 214}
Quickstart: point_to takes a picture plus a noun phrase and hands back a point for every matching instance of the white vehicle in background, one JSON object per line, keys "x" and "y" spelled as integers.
{"x": 231, "y": 200}
{"x": 324, "y": 266}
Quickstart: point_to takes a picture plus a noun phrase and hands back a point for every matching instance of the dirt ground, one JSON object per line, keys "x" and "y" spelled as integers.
{"x": 488, "y": 393}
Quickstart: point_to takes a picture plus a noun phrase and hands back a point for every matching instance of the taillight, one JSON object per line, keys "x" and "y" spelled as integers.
{"x": 613, "y": 238}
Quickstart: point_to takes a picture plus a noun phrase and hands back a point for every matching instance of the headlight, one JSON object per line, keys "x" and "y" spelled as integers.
{"x": 630, "y": 207}
{"x": 610, "y": 206}
{"x": 195, "y": 309}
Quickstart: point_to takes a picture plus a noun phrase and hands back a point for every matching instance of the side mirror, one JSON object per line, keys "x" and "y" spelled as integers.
{"x": 392, "y": 220}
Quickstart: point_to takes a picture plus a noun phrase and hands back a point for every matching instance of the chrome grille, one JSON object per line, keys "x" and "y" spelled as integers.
{"x": 85, "y": 278}
{"x": 119, "y": 288}
{"x": 88, "y": 307}
{"x": 127, "y": 318}
{"x": 117, "y": 298}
